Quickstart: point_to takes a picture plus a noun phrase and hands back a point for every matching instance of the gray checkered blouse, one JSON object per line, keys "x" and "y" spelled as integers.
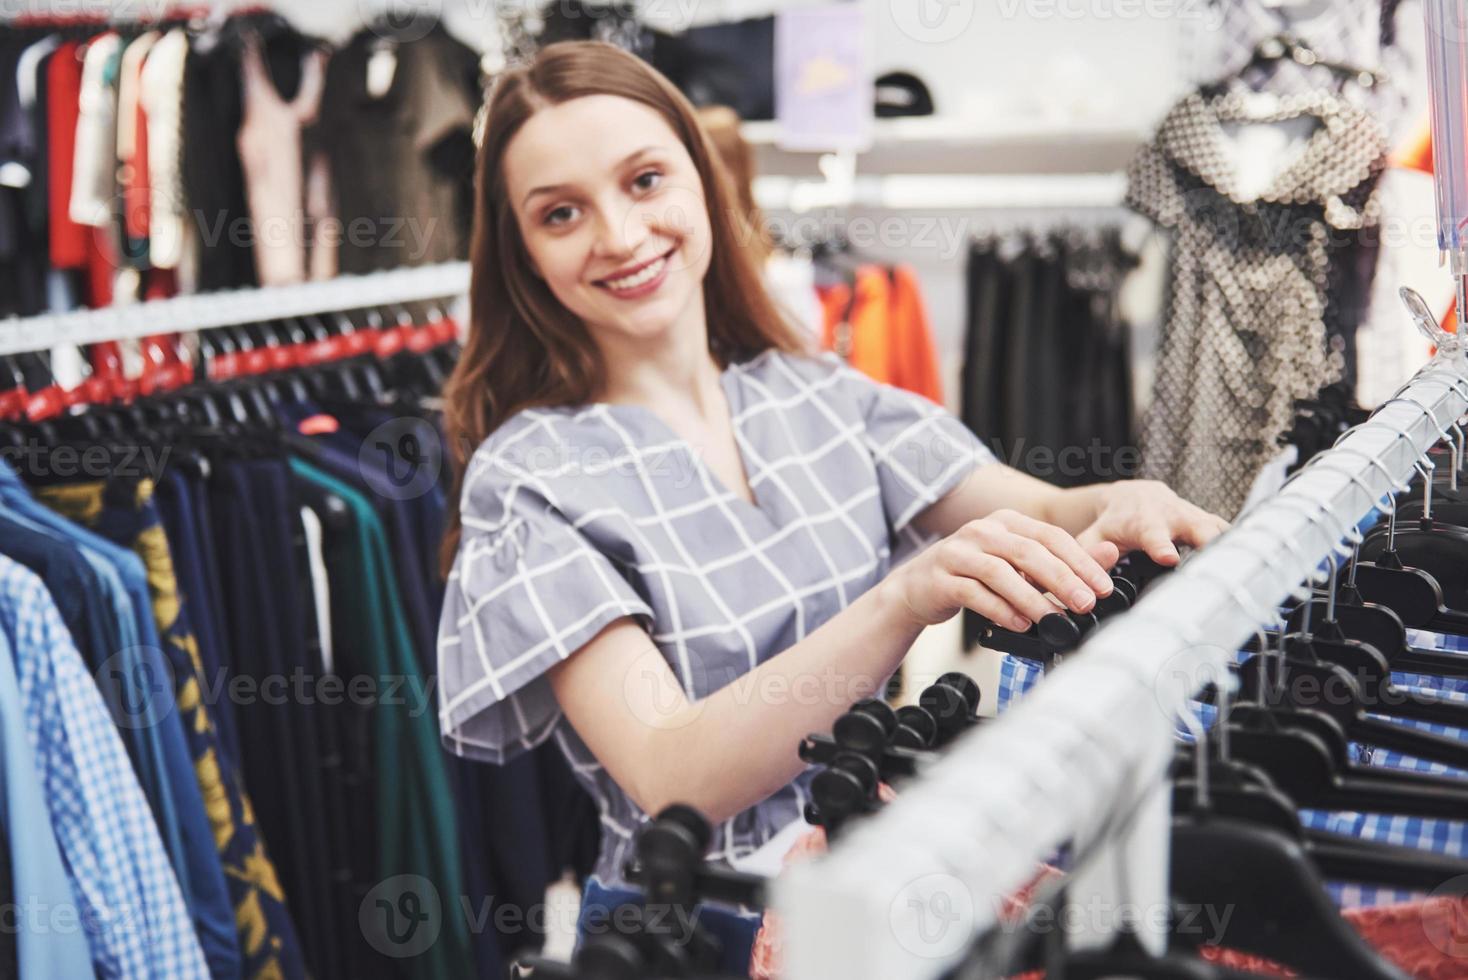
{"x": 574, "y": 517}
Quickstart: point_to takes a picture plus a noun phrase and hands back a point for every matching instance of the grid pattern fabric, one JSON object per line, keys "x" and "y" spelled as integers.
{"x": 578, "y": 516}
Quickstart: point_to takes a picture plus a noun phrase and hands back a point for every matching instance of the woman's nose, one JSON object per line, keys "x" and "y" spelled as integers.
{"x": 620, "y": 231}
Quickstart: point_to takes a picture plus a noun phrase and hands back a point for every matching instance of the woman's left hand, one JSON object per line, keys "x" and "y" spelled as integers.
{"x": 1145, "y": 515}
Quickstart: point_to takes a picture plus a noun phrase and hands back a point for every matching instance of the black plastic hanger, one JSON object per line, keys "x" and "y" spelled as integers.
{"x": 1281, "y": 908}
{"x": 1381, "y": 628}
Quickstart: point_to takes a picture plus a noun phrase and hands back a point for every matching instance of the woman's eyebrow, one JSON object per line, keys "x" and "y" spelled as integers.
{"x": 558, "y": 188}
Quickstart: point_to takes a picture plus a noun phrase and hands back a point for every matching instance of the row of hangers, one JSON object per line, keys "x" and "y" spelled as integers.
{"x": 219, "y": 393}
{"x": 1310, "y": 685}
{"x": 1286, "y": 46}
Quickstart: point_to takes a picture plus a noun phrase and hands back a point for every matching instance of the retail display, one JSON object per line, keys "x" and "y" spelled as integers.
{"x": 203, "y": 152}
{"x": 269, "y": 564}
{"x": 295, "y": 562}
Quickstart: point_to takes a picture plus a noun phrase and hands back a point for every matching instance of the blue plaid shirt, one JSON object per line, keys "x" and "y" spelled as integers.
{"x": 1448, "y": 837}
{"x": 132, "y": 910}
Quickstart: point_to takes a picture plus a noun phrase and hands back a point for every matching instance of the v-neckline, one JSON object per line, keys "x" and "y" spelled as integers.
{"x": 734, "y": 400}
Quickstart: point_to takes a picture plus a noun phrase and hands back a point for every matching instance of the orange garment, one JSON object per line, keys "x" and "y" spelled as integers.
{"x": 884, "y": 332}
{"x": 1416, "y": 154}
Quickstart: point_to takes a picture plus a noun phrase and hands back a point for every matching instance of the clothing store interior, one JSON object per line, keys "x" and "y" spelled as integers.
{"x": 703, "y": 489}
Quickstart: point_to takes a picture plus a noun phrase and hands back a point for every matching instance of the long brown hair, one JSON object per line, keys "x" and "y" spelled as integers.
{"x": 722, "y": 125}
{"x": 524, "y": 348}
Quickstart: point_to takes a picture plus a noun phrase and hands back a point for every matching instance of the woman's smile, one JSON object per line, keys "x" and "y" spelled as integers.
{"x": 638, "y": 280}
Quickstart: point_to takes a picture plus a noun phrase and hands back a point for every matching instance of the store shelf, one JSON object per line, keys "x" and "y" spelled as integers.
{"x": 935, "y": 144}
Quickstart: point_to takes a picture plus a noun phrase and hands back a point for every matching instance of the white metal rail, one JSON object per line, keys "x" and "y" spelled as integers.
{"x": 904, "y": 893}
{"x": 220, "y": 309}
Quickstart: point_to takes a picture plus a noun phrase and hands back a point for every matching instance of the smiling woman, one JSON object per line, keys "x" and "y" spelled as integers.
{"x": 678, "y": 535}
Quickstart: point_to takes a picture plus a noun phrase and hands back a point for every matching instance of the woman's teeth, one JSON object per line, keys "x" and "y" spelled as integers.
{"x": 648, "y": 274}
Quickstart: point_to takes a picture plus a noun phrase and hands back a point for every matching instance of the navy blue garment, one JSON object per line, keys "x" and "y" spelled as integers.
{"x": 177, "y": 497}
{"x": 404, "y": 512}
{"x": 507, "y": 856}
{"x": 72, "y": 582}
{"x": 169, "y": 783}
{"x": 735, "y": 931}
{"x": 274, "y": 752}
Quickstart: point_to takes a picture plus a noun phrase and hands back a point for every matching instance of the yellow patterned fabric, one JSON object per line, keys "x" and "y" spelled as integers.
{"x": 127, "y": 516}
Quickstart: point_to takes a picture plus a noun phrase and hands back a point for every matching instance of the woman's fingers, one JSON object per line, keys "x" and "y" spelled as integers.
{"x": 999, "y": 574}
{"x": 1062, "y": 545}
{"x": 983, "y": 600}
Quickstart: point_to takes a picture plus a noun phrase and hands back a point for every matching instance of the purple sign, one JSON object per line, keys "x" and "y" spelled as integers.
{"x": 823, "y": 87}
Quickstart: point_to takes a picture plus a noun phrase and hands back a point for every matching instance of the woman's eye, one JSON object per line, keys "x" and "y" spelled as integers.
{"x": 647, "y": 180}
{"x": 560, "y": 215}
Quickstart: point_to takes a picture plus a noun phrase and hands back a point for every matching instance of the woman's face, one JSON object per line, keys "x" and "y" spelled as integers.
{"x": 613, "y": 215}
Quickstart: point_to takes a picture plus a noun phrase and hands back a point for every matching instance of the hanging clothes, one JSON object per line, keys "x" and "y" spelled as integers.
{"x": 270, "y": 150}
{"x": 1252, "y": 301}
{"x": 35, "y": 863}
{"x": 101, "y": 819}
{"x": 132, "y": 150}
{"x": 1047, "y": 352}
{"x": 213, "y": 177}
{"x": 125, "y": 514}
{"x": 415, "y": 199}
{"x": 1222, "y": 38}
{"x": 879, "y": 324}
{"x": 160, "y": 96}
{"x": 153, "y": 731}
{"x": 22, "y": 178}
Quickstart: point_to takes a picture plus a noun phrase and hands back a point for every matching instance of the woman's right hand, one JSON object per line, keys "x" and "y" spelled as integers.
{"x": 1001, "y": 566}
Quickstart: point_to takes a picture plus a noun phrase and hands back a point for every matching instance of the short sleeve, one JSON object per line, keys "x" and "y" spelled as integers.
{"x": 526, "y": 591}
{"x": 920, "y": 450}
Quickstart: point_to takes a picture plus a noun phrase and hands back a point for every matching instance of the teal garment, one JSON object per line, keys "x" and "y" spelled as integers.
{"x": 417, "y": 829}
{"x": 35, "y": 856}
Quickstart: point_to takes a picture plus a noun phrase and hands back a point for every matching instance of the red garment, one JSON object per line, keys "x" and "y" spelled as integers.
{"x": 63, "y": 92}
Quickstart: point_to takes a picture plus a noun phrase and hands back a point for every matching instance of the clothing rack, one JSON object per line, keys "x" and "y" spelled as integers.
{"x": 203, "y": 311}
{"x": 923, "y": 878}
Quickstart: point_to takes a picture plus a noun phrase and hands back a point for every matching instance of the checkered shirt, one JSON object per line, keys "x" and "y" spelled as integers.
{"x": 1449, "y": 837}
{"x": 132, "y": 910}
{"x": 577, "y": 516}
